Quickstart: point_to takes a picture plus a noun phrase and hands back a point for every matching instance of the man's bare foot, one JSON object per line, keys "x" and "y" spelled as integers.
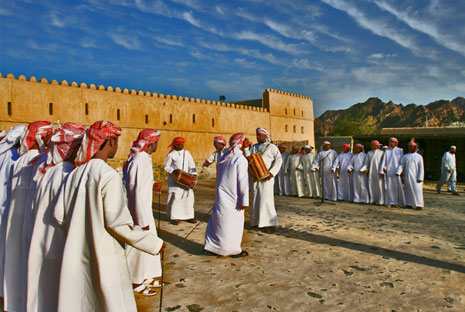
{"x": 455, "y": 193}
{"x": 175, "y": 222}
{"x": 192, "y": 220}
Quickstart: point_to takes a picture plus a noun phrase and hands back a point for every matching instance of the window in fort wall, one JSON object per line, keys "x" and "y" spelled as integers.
{"x": 50, "y": 108}
{"x": 213, "y": 122}
{"x": 118, "y": 115}
{"x": 171, "y": 118}
{"x": 8, "y": 108}
{"x": 146, "y": 118}
{"x": 193, "y": 118}
{"x": 285, "y": 110}
{"x": 302, "y": 129}
{"x": 294, "y": 114}
{"x": 295, "y": 129}
{"x": 86, "y": 109}
{"x": 285, "y": 128}
{"x": 302, "y": 112}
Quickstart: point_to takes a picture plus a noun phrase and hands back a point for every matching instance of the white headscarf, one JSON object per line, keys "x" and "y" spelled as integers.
{"x": 12, "y": 138}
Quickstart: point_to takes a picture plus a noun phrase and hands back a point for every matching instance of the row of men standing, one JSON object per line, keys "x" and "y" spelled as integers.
{"x": 66, "y": 219}
{"x": 374, "y": 177}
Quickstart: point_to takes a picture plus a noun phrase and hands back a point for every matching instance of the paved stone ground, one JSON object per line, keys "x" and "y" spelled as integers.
{"x": 343, "y": 257}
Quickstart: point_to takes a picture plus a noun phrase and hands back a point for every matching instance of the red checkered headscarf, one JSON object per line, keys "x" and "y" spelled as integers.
{"x": 35, "y": 133}
{"x": 94, "y": 138}
{"x": 219, "y": 139}
{"x": 265, "y": 132}
{"x": 177, "y": 140}
{"x": 145, "y": 138}
{"x": 235, "y": 143}
{"x": 2, "y": 135}
{"x": 361, "y": 147}
{"x": 62, "y": 144}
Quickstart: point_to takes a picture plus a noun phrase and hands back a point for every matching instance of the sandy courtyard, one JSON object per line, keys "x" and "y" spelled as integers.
{"x": 343, "y": 257}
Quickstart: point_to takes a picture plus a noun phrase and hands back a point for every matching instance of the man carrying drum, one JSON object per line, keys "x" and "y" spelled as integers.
{"x": 263, "y": 210}
{"x": 180, "y": 200}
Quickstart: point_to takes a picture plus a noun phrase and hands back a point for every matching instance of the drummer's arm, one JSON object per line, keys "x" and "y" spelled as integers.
{"x": 167, "y": 166}
{"x": 191, "y": 164}
{"x": 278, "y": 161}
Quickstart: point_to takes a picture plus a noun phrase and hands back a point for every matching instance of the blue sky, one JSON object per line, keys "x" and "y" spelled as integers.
{"x": 338, "y": 52}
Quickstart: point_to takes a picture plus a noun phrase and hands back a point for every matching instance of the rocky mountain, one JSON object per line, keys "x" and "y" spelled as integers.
{"x": 372, "y": 115}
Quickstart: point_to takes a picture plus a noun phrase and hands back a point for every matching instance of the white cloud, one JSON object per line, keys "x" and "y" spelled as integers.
{"x": 427, "y": 27}
{"x": 269, "y": 41}
{"x": 88, "y": 43}
{"x": 51, "y": 47}
{"x": 168, "y": 41}
{"x": 379, "y": 27}
{"x": 127, "y": 41}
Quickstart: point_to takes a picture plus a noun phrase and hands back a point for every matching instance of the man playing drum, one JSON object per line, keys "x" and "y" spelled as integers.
{"x": 263, "y": 210}
{"x": 180, "y": 200}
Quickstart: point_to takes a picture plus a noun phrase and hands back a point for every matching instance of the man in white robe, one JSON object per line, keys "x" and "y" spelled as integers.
{"x": 448, "y": 172}
{"x": 92, "y": 207}
{"x": 359, "y": 179}
{"x": 311, "y": 179}
{"x": 263, "y": 209}
{"x": 323, "y": 163}
{"x": 226, "y": 226}
{"x": 372, "y": 168}
{"x": 180, "y": 199}
{"x": 412, "y": 169}
{"x": 388, "y": 168}
{"x": 9, "y": 154}
{"x": 294, "y": 170}
{"x": 20, "y": 217}
{"x": 220, "y": 148}
{"x": 138, "y": 177}
{"x": 48, "y": 238}
{"x": 282, "y": 184}
{"x": 341, "y": 164}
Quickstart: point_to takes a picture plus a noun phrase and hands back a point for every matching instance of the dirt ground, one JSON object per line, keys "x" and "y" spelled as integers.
{"x": 343, "y": 257}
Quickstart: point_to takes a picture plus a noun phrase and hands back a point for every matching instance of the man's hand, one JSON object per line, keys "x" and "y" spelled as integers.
{"x": 419, "y": 181}
{"x": 381, "y": 175}
{"x": 448, "y": 170}
{"x": 365, "y": 171}
{"x": 246, "y": 143}
{"x": 350, "y": 170}
{"x": 242, "y": 207}
{"x": 269, "y": 177}
{"x": 298, "y": 169}
{"x": 314, "y": 170}
{"x": 176, "y": 171}
{"x": 146, "y": 228}
{"x": 384, "y": 170}
{"x": 162, "y": 248}
{"x": 206, "y": 163}
{"x": 332, "y": 170}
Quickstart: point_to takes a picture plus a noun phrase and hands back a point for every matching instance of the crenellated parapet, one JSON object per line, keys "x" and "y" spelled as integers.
{"x": 134, "y": 92}
{"x": 288, "y": 94}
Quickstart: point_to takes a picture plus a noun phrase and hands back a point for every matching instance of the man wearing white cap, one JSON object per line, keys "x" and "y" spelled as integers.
{"x": 282, "y": 184}
{"x": 388, "y": 168}
{"x": 263, "y": 210}
{"x": 371, "y": 168}
{"x": 448, "y": 172}
{"x": 323, "y": 163}
{"x": 294, "y": 171}
{"x": 220, "y": 148}
{"x": 311, "y": 179}
{"x": 412, "y": 169}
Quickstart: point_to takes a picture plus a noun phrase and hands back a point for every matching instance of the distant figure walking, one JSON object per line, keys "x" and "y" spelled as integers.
{"x": 448, "y": 172}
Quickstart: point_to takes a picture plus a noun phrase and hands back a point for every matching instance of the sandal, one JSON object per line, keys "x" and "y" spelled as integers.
{"x": 153, "y": 283}
{"x": 144, "y": 290}
{"x": 242, "y": 254}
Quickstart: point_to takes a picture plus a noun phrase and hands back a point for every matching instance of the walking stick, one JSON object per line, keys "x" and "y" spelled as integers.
{"x": 200, "y": 222}
{"x": 162, "y": 256}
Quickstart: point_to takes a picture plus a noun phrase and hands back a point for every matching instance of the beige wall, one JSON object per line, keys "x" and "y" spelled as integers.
{"x": 30, "y": 100}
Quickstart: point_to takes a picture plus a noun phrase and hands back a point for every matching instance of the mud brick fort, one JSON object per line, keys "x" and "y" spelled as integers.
{"x": 289, "y": 117}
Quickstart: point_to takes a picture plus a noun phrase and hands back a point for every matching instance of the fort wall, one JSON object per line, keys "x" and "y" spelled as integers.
{"x": 289, "y": 117}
